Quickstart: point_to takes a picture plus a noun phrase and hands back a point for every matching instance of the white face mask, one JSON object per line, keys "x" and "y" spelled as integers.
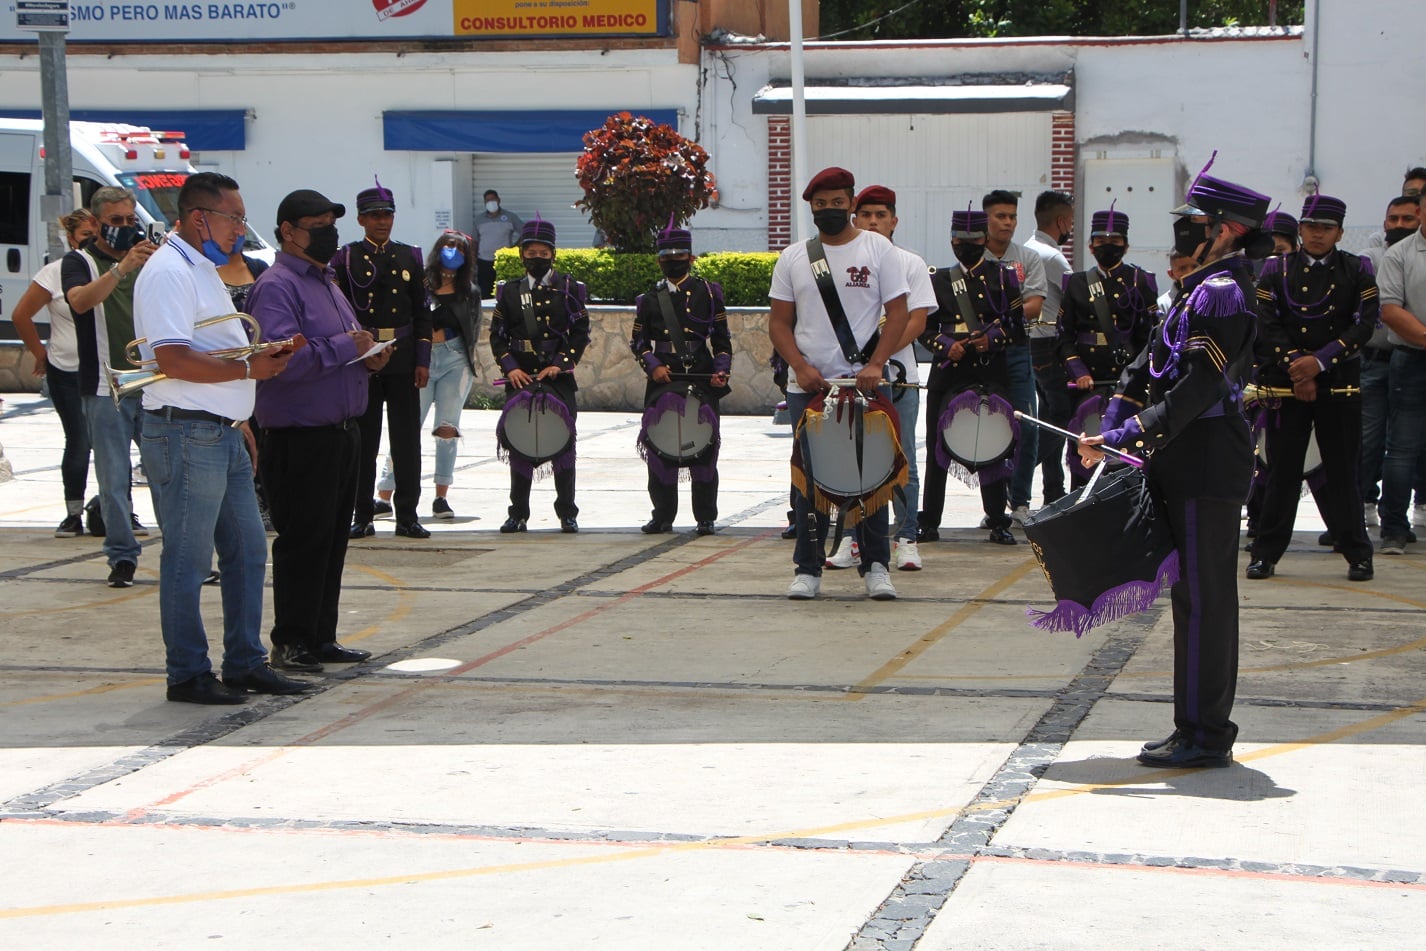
{"x": 492, "y": 206}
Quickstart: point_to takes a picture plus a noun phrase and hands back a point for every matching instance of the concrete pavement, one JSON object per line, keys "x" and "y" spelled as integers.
{"x": 613, "y": 740}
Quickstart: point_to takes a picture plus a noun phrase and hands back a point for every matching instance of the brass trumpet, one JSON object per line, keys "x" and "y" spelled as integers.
{"x": 124, "y": 383}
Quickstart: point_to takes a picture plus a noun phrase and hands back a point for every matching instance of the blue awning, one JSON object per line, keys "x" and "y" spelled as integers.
{"x": 204, "y": 130}
{"x": 559, "y": 130}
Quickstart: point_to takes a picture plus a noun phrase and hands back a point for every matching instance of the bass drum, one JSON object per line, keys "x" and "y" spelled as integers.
{"x": 535, "y": 425}
{"x": 680, "y": 424}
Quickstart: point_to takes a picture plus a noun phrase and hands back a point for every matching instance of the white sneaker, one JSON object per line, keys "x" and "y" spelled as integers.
{"x": 878, "y": 584}
{"x": 1019, "y": 513}
{"x": 1369, "y": 511}
{"x": 1418, "y": 515}
{"x": 848, "y": 554}
{"x": 908, "y": 556}
{"x": 805, "y": 587}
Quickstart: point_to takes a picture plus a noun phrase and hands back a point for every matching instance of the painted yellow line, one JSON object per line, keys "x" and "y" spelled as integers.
{"x": 87, "y": 692}
{"x": 131, "y": 594}
{"x": 406, "y": 602}
{"x": 932, "y": 637}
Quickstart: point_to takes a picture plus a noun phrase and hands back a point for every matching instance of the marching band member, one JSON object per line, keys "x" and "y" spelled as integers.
{"x": 674, "y": 328}
{"x": 538, "y": 332}
{"x": 1317, "y": 307}
{"x": 1179, "y": 399}
{"x": 979, "y": 314}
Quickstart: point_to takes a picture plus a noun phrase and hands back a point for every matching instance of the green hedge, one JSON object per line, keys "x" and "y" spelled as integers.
{"x": 619, "y": 278}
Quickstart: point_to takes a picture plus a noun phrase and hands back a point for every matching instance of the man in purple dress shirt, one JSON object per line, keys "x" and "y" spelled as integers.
{"x": 311, "y": 443}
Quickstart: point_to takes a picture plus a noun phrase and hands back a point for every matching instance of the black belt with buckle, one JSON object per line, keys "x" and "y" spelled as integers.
{"x": 197, "y": 415}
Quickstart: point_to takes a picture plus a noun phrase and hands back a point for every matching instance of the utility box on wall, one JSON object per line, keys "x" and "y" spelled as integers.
{"x": 1145, "y": 189}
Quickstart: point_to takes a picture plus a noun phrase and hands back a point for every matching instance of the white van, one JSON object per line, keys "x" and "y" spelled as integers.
{"x": 152, "y": 164}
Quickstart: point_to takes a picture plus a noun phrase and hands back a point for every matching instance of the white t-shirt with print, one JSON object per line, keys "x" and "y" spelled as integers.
{"x": 868, "y": 272}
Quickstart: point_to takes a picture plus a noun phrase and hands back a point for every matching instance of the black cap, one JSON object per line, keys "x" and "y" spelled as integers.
{"x": 306, "y": 203}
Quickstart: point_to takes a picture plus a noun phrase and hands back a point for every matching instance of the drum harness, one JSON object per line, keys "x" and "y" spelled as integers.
{"x": 837, "y": 314}
{"x": 967, "y": 309}
{"x": 1107, "y": 327}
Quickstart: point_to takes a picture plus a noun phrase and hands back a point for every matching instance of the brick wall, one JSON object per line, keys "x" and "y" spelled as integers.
{"x": 779, "y": 182}
{"x": 1063, "y": 159}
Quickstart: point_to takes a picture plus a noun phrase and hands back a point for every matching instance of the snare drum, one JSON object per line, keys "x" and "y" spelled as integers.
{"x": 536, "y": 427}
{"x": 978, "y": 432}
{"x": 1107, "y": 553}
{"x": 849, "y": 447}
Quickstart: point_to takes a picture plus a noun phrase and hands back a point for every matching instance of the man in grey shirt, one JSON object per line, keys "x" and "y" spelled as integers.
{"x": 1000, "y": 207}
{"x": 1402, "y": 283}
{"x": 1054, "y": 219}
{"x": 495, "y": 228}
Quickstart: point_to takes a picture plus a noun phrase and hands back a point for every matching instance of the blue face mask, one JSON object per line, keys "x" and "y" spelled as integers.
{"x": 214, "y": 252}
{"x": 451, "y": 258}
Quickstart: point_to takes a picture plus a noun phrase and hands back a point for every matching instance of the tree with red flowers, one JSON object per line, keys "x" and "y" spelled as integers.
{"x": 636, "y": 174}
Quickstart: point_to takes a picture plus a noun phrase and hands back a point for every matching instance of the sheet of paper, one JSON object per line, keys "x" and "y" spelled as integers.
{"x": 375, "y": 349}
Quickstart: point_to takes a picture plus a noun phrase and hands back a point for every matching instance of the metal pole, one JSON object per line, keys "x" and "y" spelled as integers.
{"x": 1183, "y": 17}
{"x": 799, "y": 121}
{"x": 59, "y": 163}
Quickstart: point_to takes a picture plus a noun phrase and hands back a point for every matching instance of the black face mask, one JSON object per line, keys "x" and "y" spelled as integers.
{"x": 1188, "y": 235}
{"x": 675, "y": 270}
{"x": 1108, "y": 255}
{"x": 537, "y": 268}
{"x": 1394, "y": 235}
{"x": 322, "y": 243}
{"x": 967, "y": 253}
{"x": 121, "y": 238}
{"x": 831, "y": 221}
{"x": 1065, "y": 238}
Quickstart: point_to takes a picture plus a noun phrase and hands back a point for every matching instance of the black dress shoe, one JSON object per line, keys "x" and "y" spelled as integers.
{"x": 362, "y": 530}
{"x": 1001, "y": 536}
{"x": 1326, "y": 540}
{"x": 263, "y": 679}
{"x": 928, "y": 534}
{"x": 295, "y": 657}
{"x": 704, "y": 528}
{"x": 1361, "y": 571}
{"x": 1152, "y": 745}
{"x": 655, "y": 526}
{"x": 789, "y": 532}
{"x": 512, "y": 525}
{"x": 205, "y": 689}
{"x": 1260, "y": 569}
{"x": 412, "y": 530}
{"x": 335, "y": 653}
{"x": 569, "y": 526}
{"x": 1178, "y": 753}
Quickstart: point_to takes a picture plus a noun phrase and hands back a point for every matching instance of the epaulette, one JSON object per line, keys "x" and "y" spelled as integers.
{"x": 1149, "y": 279}
{"x": 1272, "y": 266}
{"x": 1217, "y": 297}
{"x": 1368, "y": 268}
{"x": 1065, "y": 281}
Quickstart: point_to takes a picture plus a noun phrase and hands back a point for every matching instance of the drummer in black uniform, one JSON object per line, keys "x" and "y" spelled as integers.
{"x": 674, "y": 328}
{"x": 1106, "y": 313}
{"x": 538, "y": 331}
{"x": 1317, "y": 307}
{"x": 963, "y": 355}
{"x": 385, "y": 282}
{"x": 1180, "y": 400}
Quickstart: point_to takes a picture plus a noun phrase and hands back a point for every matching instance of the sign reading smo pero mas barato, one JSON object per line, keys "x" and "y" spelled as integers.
{"x": 554, "y": 18}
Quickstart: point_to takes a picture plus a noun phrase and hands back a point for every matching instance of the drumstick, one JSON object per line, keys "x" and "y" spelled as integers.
{"x": 849, "y": 381}
{"x": 1119, "y": 454}
{"x": 1071, "y": 384}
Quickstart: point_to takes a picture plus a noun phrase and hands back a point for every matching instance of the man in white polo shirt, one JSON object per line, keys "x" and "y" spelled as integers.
{"x": 869, "y": 277}
{"x": 197, "y": 449}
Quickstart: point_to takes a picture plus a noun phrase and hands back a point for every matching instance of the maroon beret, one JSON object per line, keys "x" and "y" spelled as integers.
{"x": 828, "y": 179}
{"x": 876, "y": 195}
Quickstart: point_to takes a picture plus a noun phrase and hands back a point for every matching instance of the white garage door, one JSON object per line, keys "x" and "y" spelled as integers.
{"x": 530, "y": 183}
{"x": 936, "y": 164}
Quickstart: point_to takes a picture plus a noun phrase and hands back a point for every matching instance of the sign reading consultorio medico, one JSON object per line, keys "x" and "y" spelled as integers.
{"x": 298, "y": 20}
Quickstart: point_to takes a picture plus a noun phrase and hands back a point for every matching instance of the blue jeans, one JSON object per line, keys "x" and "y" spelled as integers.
{"x": 1022, "y": 397}
{"x": 1405, "y": 438}
{"x": 111, "y": 430}
{"x": 808, "y": 560}
{"x": 447, "y": 389}
{"x": 201, "y": 479}
{"x": 1376, "y": 407}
